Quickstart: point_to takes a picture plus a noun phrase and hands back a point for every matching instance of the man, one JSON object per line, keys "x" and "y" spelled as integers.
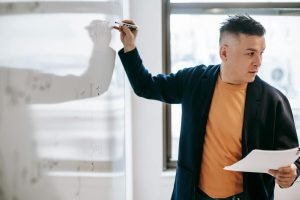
{"x": 227, "y": 111}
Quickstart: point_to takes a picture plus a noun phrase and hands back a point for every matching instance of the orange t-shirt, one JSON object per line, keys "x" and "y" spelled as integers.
{"x": 223, "y": 141}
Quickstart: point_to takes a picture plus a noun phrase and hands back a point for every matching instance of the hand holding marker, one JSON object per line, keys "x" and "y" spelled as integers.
{"x": 130, "y": 26}
{"x": 128, "y": 32}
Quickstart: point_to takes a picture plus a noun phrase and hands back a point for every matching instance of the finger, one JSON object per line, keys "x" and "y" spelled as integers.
{"x": 117, "y": 28}
{"x": 280, "y": 177}
{"x": 284, "y": 181}
{"x": 286, "y": 175}
{"x": 126, "y": 30}
{"x": 128, "y": 21}
{"x": 273, "y": 172}
{"x": 284, "y": 178}
{"x": 284, "y": 184}
{"x": 284, "y": 170}
{"x": 287, "y": 172}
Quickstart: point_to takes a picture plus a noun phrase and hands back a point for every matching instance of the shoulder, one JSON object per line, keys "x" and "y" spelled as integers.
{"x": 200, "y": 71}
{"x": 270, "y": 91}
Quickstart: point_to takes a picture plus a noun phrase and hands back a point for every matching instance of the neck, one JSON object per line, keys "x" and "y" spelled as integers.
{"x": 226, "y": 76}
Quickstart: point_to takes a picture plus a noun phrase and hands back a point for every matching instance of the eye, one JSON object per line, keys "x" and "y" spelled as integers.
{"x": 250, "y": 54}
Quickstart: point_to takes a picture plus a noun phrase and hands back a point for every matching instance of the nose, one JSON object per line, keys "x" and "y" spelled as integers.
{"x": 257, "y": 60}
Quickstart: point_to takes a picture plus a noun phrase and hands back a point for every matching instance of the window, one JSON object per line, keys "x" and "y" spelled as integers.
{"x": 192, "y": 33}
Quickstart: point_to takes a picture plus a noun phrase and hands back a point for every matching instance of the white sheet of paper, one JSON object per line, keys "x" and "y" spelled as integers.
{"x": 261, "y": 161}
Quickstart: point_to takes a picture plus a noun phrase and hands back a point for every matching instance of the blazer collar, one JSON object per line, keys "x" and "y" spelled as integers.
{"x": 252, "y": 107}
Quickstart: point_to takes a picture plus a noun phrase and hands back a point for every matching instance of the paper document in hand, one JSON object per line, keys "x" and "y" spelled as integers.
{"x": 262, "y": 160}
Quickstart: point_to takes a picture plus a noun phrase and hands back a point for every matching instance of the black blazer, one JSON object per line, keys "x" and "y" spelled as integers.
{"x": 268, "y": 121}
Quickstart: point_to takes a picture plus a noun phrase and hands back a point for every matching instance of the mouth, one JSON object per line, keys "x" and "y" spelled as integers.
{"x": 252, "y": 72}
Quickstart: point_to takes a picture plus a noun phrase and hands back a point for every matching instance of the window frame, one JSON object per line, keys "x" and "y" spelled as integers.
{"x": 168, "y": 8}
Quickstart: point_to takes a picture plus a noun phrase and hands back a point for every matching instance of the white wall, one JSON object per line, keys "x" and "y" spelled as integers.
{"x": 149, "y": 181}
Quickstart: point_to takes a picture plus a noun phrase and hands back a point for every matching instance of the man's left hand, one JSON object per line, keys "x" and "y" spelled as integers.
{"x": 285, "y": 176}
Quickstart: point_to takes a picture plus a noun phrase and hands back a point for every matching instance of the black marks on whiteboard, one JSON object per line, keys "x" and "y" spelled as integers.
{"x": 88, "y": 91}
{"x": 35, "y": 172}
{"x": 82, "y": 93}
{"x": 39, "y": 82}
{"x": 92, "y": 166}
{"x": 49, "y": 164}
{"x": 77, "y": 92}
{"x": 33, "y": 180}
{"x": 98, "y": 90}
{"x": 16, "y": 96}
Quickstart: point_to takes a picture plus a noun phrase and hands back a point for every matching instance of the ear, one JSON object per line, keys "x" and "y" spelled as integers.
{"x": 223, "y": 52}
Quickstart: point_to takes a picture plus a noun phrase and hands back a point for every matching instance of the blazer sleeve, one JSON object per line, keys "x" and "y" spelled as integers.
{"x": 285, "y": 129}
{"x": 286, "y": 135}
{"x": 297, "y": 163}
{"x": 163, "y": 87}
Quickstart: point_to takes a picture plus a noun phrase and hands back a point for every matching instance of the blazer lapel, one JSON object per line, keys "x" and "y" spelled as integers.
{"x": 252, "y": 106}
{"x": 202, "y": 101}
{"x": 205, "y": 92}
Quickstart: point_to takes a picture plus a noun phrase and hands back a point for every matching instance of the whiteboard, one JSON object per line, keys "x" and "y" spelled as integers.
{"x": 61, "y": 101}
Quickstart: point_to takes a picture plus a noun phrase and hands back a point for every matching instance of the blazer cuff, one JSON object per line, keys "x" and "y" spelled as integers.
{"x": 298, "y": 170}
{"x": 297, "y": 163}
{"x": 128, "y": 53}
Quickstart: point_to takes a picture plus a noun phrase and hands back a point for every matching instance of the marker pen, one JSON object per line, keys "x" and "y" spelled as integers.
{"x": 131, "y": 26}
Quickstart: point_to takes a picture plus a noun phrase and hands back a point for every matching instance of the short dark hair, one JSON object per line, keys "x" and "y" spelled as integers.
{"x": 242, "y": 24}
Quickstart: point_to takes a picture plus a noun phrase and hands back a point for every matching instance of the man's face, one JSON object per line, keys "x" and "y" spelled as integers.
{"x": 242, "y": 56}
